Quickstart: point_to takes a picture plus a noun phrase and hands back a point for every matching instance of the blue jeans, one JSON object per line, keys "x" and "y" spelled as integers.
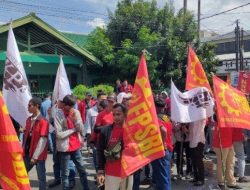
{"x": 40, "y": 169}
{"x": 77, "y": 158}
{"x": 50, "y": 142}
{"x": 240, "y": 155}
{"x": 56, "y": 165}
{"x": 162, "y": 172}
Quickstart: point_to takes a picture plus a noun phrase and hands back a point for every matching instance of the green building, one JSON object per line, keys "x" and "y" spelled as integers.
{"x": 40, "y": 46}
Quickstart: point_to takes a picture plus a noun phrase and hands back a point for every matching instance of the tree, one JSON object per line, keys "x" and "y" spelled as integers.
{"x": 140, "y": 24}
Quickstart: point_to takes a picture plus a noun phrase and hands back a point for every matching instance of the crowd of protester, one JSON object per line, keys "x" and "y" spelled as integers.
{"x": 61, "y": 128}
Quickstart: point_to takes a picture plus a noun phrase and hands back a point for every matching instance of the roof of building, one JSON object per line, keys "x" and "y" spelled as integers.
{"x": 227, "y": 36}
{"x": 47, "y": 37}
{"x": 80, "y": 39}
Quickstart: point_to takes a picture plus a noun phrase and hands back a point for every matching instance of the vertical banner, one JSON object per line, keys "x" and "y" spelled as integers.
{"x": 16, "y": 90}
{"x": 232, "y": 106}
{"x": 13, "y": 175}
{"x": 244, "y": 82}
{"x": 142, "y": 138}
{"x": 196, "y": 76}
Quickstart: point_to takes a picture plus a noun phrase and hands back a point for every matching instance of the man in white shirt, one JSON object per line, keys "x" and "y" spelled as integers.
{"x": 197, "y": 142}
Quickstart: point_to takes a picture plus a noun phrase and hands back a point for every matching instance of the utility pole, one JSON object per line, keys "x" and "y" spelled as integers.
{"x": 241, "y": 49}
{"x": 199, "y": 21}
{"x": 237, "y": 35}
{"x": 185, "y": 6}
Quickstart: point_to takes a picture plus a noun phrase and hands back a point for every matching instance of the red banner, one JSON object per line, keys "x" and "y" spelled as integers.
{"x": 196, "y": 77}
{"x": 142, "y": 138}
{"x": 244, "y": 82}
{"x": 232, "y": 106}
{"x": 13, "y": 175}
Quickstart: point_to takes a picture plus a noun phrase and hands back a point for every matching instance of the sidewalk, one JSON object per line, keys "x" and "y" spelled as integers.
{"x": 210, "y": 183}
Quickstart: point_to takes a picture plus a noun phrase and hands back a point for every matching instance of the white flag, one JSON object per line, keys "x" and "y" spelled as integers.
{"x": 193, "y": 105}
{"x": 62, "y": 87}
{"x": 16, "y": 90}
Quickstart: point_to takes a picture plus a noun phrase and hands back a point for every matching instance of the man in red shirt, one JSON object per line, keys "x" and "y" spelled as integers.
{"x": 127, "y": 88}
{"x": 103, "y": 119}
{"x": 162, "y": 166}
{"x": 85, "y": 104}
{"x": 223, "y": 147}
{"x": 36, "y": 141}
{"x": 109, "y": 165}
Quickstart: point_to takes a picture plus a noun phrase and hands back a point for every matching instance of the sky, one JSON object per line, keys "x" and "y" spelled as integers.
{"x": 82, "y": 16}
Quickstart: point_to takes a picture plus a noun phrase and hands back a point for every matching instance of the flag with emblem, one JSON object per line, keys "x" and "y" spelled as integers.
{"x": 232, "y": 106}
{"x": 142, "y": 137}
{"x": 16, "y": 90}
{"x": 196, "y": 77}
{"x": 13, "y": 175}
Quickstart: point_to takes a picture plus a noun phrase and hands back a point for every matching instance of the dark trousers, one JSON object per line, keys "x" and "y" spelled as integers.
{"x": 179, "y": 162}
{"x": 197, "y": 161}
{"x": 77, "y": 158}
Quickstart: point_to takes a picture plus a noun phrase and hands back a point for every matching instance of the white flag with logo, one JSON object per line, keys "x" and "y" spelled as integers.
{"x": 193, "y": 105}
{"x": 62, "y": 87}
{"x": 16, "y": 92}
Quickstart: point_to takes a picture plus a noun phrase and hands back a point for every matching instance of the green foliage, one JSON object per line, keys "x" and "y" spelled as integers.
{"x": 100, "y": 45}
{"x": 140, "y": 24}
{"x": 80, "y": 90}
{"x": 105, "y": 88}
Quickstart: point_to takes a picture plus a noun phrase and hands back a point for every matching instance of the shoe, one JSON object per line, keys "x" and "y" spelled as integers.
{"x": 234, "y": 187}
{"x": 212, "y": 152}
{"x": 188, "y": 176}
{"x": 199, "y": 183}
{"x": 236, "y": 175}
{"x": 222, "y": 187}
{"x": 72, "y": 184}
{"x": 193, "y": 181}
{"x": 243, "y": 180}
{"x": 173, "y": 178}
{"x": 55, "y": 183}
{"x": 146, "y": 181}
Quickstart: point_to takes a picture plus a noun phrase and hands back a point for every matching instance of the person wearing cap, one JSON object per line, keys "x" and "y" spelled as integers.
{"x": 36, "y": 141}
{"x": 166, "y": 98}
{"x": 85, "y": 104}
{"x": 123, "y": 98}
{"x": 162, "y": 166}
{"x": 68, "y": 127}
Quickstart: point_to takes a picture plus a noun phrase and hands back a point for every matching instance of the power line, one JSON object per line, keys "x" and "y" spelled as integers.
{"x": 61, "y": 9}
{"x": 223, "y": 12}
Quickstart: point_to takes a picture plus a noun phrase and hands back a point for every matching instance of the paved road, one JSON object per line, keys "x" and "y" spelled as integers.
{"x": 210, "y": 183}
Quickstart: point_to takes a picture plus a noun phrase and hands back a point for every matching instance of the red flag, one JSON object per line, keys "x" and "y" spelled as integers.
{"x": 244, "y": 82}
{"x": 13, "y": 175}
{"x": 142, "y": 138}
{"x": 232, "y": 106}
{"x": 196, "y": 77}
